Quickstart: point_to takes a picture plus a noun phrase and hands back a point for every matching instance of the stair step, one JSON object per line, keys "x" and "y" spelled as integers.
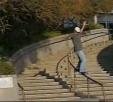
{"x": 96, "y": 89}
{"x": 102, "y": 72}
{"x": 93, "y": 85}
{"x": 109, "y": 98}
{"x": 42, "y": 96}
{"x": 38, "y": 81}
{"x": 98, "y": 75}
{"x": 82, "y": 78}
{"x": 88, "y": 100}
{"x": 43, "y": 87}
{"x": 99, "y": 93}
{"x": 94, "y": 69}
{"x": 85, "y": 81}
{"x": 34, "y": 78}
{"x": 31, "y": 70}
{"x": 46, "y": 91}
{"x": 94, "y": 78}
{"x": 57, "y": 99}
{"x": 27, "y": 76}
{"x": 31, "y": 73}
{"x": 79, "y": 82}
{"x": 40, "y": 84}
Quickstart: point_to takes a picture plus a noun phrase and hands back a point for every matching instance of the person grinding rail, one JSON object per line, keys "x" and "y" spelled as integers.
{"x": 76, "y": 39}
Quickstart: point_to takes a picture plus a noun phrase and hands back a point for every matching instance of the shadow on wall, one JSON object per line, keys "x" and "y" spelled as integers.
{"x": 31, "y": 55}
{"x": 105, "y": 59}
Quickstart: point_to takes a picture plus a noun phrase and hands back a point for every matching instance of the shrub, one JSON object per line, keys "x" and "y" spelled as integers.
{"x": 92, "y": 26}
{"x": 50, "y": 34}
{"x": 5, "y": 67}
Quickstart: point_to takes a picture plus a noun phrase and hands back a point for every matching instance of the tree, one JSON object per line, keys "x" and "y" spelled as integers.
{"x": 102, "y": 5}
{"x": 105, "y": 5}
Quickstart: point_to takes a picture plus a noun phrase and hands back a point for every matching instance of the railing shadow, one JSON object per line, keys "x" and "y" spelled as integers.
{"x": 105, "y": 59}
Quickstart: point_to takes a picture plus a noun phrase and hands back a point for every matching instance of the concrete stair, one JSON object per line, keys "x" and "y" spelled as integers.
{"x": 46, "y": 88}
{"x": 95, "y": 71}
{"x": 39, "y": 88}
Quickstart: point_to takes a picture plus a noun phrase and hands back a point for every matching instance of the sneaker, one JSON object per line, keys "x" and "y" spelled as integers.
{"x": 76, "y": 70}
{"x": 84, "y": 73}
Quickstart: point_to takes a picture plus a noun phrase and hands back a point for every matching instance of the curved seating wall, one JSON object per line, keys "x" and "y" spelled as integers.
{"x": 39, "y": 51}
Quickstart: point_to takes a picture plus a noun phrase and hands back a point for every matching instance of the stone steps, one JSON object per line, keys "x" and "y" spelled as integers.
{"x": 37, "y": 81}
{"x": 85, "y": 81}
{"x": 53, "y": 95}
{"x": 108, "y": 98}
{"x": 95, "y": 78}
{"x": 94, "y": 85}
{"x": 42, "y": 87}
{"x": 34, "y": 78}
{"x": 95, "y": 89}
{"x": 57, "y": 99}
{"x": 46, "y": 91}
{"x": 99, "y": 93}
{"x": 40, "y": 84}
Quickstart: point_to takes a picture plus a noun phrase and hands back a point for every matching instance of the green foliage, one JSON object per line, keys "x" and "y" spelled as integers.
{"x": 105, "y": 5}
{"x": 4, "y": 25}
{"x": 51, "y": 33}
{"x": 23, "y": 22}
{"x": 5, "y": 67}
{"x": 92, "y": 26}
{"x": 102, "y": 5}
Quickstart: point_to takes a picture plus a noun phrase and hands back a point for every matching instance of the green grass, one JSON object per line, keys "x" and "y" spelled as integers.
{"x": 92, "y": 26}
{"x": 5, "y": 67}
{"x": 50, "y": 34}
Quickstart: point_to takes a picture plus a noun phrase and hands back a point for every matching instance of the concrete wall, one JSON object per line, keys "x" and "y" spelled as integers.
{"x": 9, "y": 93}
{"x": 39, "y": 51}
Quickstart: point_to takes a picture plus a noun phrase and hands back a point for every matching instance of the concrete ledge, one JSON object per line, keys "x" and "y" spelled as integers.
{"x": 38, "y": 51}
{"x": 9, "y": 93}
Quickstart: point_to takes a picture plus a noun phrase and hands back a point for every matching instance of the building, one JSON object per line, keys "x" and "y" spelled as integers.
{"x": 105, "y": 19}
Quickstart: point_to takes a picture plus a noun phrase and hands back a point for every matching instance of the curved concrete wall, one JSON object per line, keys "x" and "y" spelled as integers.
{"x": 39, "y": 51}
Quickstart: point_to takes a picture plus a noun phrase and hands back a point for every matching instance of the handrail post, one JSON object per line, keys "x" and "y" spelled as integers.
{"x": 75, "y": 86}
{"x": 103, "y": 92}
{"x": 87, "y": 88}
{"x": 69, "y": 72}
{"x": 73, "y": 75}
{"x": 23, "y": 94}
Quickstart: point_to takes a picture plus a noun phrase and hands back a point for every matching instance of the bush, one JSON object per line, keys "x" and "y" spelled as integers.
{"x": 50, "y": 34}
{"x": 5, "y": 67}
{"x": 92, "y": 26}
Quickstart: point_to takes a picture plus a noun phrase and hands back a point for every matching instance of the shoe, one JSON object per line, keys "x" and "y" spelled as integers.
{"x": 76, "y": 70}
{"x": 84, "y": 73}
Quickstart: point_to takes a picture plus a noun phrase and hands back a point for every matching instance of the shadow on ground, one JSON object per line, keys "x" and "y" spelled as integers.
{"x": 105, "y": 59}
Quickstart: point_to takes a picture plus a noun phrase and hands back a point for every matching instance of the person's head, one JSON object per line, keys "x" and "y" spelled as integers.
{"x": 77, "y": 29}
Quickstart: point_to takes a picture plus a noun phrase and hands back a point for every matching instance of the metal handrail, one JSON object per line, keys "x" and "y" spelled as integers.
{"x": 71, "y": 50}
{"x": 57, "y": 71}
{"x": 88, "y": 77}
{"x": 44, "y": 45}
{"x": 23, "y": 94}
